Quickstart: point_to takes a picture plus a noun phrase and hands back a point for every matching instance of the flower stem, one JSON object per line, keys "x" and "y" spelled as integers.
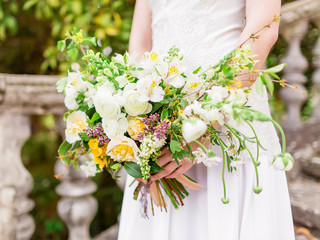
{"x": 282, "y": 135}
{"x": 223, "y": 171}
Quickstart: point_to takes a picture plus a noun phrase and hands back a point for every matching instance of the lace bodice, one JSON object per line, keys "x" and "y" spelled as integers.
{"x": 205, "y": 31}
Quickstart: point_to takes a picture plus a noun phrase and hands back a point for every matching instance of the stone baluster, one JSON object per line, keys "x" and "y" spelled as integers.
{"x": 16, "y": 182}
{"x": 293, "y": 73}
{"x": 316, "y": 79}
{"x": 77, "y": 207}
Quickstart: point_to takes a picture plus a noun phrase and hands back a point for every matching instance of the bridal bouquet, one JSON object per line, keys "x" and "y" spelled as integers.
{"x": 123, "y": 112}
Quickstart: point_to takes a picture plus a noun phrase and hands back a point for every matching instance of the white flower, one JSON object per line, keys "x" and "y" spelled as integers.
{"x": 122, "y": 80}
{"x": 217, "y": 94}
{"x": 162, "y": 68}
{"x": 175, "y": 78}
{"x": 283, "y": 162}
{"x": 237, "y": 96}
{"x": 193, "y": 84}
{"x": 214, "y": 115}
{"x": 202, "y": 157}
{"x": 116, "y": 126}
{"x": 90, "y": 95}
{"x": 89, "y": 168}
{"x": 75, "y": 80}
{"x": 192, "y": 129}
{"x": 122, "y": 148}
{"x": 150, "y": 89}
{"x": 237, "y": 161}
{"x": 70, "y": 98}
{"x": 133, "y": 104}
{"x": 76, "y": 123}
{"x": 105, "y": 104}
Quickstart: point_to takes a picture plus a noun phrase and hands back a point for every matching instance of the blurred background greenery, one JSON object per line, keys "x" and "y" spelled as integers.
{"x": 29, "y": 31}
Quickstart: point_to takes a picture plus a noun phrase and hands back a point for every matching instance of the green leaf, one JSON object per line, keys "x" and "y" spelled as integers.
{"x": 115, "y": 166}
{"x": 84, "y": 136}
{"x": 269, "y": 83}
{"x": 155, "y": 168}
{"x": 64, "y": 148}
{"x": 133, "y": 169}
{"x": 274, "y": 75}
{"x": 61, "y": 84}
{"x": 156, "y": 106}
{"x": 94, "y": 118}
{"x": 259, "y": 85}
{"x": 72, "y": 53}
{"x": 277, "y": 68}
{"x": 175, "y": 146}
{"x": 164, "y": 113}
{"x": 29, "y": 4}
{"x": 61, "y": 45}
{"x": 75, "y": 145}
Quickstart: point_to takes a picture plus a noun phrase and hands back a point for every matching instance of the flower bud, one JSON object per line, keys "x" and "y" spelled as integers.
{"x": 225, "y": 200}
{"x": 257, "y": 189}
{"x": 283, "y": 162}
{"x": 193, "y": 128}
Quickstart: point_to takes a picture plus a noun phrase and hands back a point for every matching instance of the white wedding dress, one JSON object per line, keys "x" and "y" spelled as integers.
{"x": 206, "y": 30}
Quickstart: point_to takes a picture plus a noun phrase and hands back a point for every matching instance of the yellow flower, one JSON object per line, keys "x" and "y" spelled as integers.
{"x": 93, "y": 143}
{"x": 99, "y": 151}
{"x": 96, "y": 152}
{"x": 76, "y": 122}
{"x": 135, "y": 126}
{"x": 173, "y": 70}
{"x": 153, "y": 56}
{"x": 78, "y": 37}
{"x": 123, "y": 152}
{"x": 123, "y": 149}
{"x": 100, "y": 162}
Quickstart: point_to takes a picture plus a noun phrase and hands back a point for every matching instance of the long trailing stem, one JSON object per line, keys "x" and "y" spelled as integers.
{"x": 225, "y": 200}
{"x": 282, "y": 135}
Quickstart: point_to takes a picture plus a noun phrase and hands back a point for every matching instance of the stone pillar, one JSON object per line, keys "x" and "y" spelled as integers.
{"x": 293, "y": 73}
{"x": 316, "y": 79}
{"x": 77, "y": 207}
{"x": 16, "y": 182}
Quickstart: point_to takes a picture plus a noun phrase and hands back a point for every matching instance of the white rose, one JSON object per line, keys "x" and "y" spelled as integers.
{"x": 106, "y": 105}
{"x": 193, "y": 128}
{"x": 115, "y": 127}
{"x": 76, "y": 123}
{"x": 70, "y": 98}
{"x": 133, "y": 104}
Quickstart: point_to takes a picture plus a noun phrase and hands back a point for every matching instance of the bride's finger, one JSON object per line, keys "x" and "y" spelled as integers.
{"x": 180, "y": 170}
{"x": 169, "y": 169}
{"x": 163, "y": 160}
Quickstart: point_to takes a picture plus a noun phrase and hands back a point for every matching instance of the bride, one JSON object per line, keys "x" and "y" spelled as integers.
{"x": 206, "y": 30}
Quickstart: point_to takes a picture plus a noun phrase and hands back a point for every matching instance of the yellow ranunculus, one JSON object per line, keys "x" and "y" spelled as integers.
{"x": 96, "y": 152}
{"x": 123, "y": 149}
{"x": 135, "y": 126}
{"x": 93, "y": 143}
{"x": 100, "y": 162}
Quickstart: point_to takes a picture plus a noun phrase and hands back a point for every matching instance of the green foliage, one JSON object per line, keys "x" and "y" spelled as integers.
{"x": 48, "y": 21}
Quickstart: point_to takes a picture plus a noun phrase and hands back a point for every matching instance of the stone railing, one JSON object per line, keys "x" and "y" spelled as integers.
{"x": 22, "y": 96}
{"x": 303, "y": 137}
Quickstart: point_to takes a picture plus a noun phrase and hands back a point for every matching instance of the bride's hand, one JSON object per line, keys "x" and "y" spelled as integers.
{"x": 172, "y": 169}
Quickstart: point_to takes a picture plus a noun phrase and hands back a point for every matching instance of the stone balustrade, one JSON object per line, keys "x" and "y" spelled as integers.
{"x": 24, "y": 95}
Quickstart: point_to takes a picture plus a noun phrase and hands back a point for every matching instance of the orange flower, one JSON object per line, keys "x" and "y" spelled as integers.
{"x": 93, "y": 143}
{"x": 100, "y": 162}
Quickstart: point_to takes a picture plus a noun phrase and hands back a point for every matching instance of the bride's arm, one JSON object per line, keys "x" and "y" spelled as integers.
{"x": 258, "y": 14}
{"x": 141, "y": 34}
